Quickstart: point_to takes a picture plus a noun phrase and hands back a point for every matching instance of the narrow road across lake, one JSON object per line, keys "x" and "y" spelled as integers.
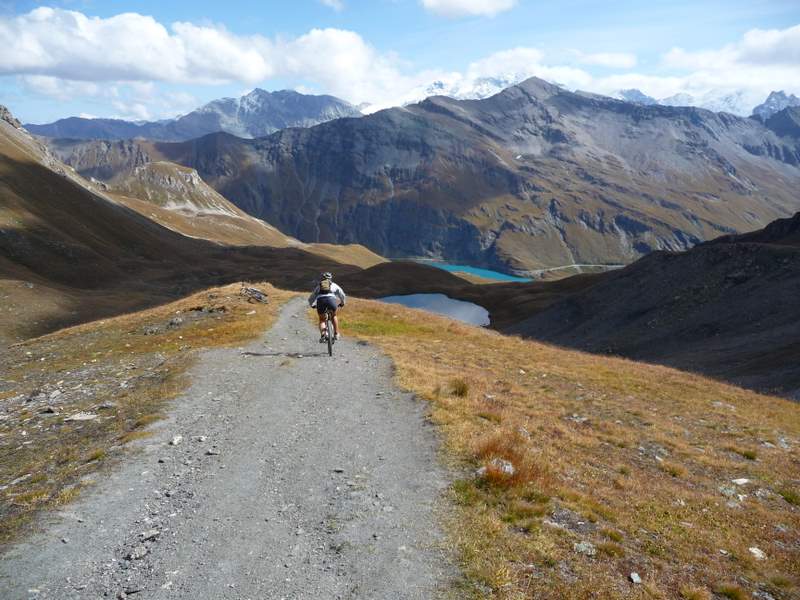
{"x": 297, "y": 476}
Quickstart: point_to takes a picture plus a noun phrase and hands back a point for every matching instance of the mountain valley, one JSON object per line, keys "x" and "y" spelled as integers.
{"x": 534, "y": 177}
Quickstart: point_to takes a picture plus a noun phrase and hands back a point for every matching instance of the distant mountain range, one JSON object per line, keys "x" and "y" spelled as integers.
{"x": 738, "y": 103}
{"x": 531, "y": 178}
{"x": 256, "y": 114}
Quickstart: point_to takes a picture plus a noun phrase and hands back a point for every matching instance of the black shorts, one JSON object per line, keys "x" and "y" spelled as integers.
{"x": 327, "y": 302}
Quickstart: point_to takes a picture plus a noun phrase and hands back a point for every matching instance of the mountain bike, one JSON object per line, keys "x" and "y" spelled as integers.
{"x": 331, "y": 339}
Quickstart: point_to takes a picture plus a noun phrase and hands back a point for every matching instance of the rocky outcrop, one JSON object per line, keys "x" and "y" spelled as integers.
{"x": 5, "y": 115}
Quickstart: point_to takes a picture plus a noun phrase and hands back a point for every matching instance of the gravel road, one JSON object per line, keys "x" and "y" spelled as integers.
{"x": 296, "y": 476}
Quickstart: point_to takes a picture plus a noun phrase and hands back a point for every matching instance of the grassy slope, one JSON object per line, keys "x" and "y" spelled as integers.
{"x": 88, "y": 257}
{"x": 116, "y": 361}
{"x": 628, "y": 456}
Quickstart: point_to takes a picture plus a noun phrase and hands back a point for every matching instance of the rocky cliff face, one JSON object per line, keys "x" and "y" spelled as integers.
{"x": 531, "y": 178}
{"x": 256, "y": 114}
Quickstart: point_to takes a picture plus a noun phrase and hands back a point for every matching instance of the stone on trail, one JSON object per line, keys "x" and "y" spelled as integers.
{"x": 757, "y": 553}
{"x": 212, "y": 452}
{"x": 176, "y": 440}
{"x": 151, "y": 534}
{"x": 635, "y": 577}
{"x": 140, "y": 551}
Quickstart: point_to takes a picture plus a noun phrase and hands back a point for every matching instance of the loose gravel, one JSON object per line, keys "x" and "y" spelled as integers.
{"x": 294, "y": 475}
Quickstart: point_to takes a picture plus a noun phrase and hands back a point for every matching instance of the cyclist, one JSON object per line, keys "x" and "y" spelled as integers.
{"x": 327, "y": 296}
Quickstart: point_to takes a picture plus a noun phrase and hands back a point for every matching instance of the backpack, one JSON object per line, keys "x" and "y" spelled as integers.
{"x": 325, "y": 287}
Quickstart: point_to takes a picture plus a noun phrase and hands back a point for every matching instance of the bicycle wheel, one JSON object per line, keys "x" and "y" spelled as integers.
{"x": 328, "y": 329}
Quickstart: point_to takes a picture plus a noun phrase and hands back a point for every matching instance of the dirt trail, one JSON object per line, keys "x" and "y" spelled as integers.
{"x": 314, "y": 478}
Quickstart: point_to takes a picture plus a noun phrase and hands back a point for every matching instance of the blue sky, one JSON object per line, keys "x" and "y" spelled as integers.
{"x": 129, "y": 59}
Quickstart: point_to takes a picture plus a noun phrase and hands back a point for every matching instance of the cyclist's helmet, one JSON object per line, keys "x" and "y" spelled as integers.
{"x": 326, "y": 275}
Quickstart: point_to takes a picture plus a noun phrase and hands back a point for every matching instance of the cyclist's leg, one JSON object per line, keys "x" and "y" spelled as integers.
{"x": 336, "y": 323}
{"x": 321, "y": 315}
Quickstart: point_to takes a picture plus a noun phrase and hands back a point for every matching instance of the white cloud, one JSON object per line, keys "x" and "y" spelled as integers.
{"x": 58, "y": 89}
{"x": 762, "y": 61}
{"x": 336, "y": 5}
{"x": 130, "y": 58}
{"x": 521, "y": 63}
{"x": 463, "y": 8}
{"x": 611, "y": 60}
{"x": 70, "y": 45}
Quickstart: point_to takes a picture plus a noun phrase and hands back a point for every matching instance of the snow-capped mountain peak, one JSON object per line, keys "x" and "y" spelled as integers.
{"x": 775, "y": 102}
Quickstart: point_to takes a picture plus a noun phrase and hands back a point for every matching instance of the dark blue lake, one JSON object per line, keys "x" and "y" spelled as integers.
{"x": 444, "y": 305}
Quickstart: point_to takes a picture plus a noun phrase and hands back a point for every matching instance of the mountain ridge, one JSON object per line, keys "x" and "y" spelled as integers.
{"x": 530, "y": 178}
{"x": 255, "y": 114}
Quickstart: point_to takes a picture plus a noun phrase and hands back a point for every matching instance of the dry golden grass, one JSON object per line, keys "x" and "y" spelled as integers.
{"x": 628, "y": 456}
{"x": 60, "y": 454}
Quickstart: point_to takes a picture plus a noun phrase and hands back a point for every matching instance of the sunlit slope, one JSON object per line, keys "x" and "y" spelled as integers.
{"x": 597, "y": 468}
{"x": 68, "y": 253}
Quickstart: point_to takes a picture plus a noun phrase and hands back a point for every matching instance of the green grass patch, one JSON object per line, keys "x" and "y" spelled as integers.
{"x": 387, "y": 327}
{"x": 732, "y": 591}
{"x": 459, "y": 387}
{"x": 791, "y": 496}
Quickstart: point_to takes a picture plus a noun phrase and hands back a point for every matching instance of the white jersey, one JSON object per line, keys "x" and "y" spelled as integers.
{"x": 336, "y": 292}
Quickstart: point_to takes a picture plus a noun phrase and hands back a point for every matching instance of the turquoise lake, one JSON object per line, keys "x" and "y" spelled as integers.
{"x": 486, "y": 273}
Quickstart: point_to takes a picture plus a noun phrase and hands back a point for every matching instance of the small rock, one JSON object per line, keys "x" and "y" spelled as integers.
{"x": 20, "y": 479}
{"x": 150, "y": 534}
{"x": 586, "y": 548}
{"x": 81, "y": 416}
{"x": 65, "y": 540}
{"x": 200, "y": 438}
{"x": 140, "y": 551}
{"x": 212, "y": 452}
{"x": 741, "y": 481}
{"x": 498, "y": 464}
{"x": 175, "y": 322}
{"x": 176, "y": 440}
{"x": 106, "y": 406}
{"x": 757, "y": 553}
{"x": 55, "y": 394}
{"x": 635, "y": 577}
